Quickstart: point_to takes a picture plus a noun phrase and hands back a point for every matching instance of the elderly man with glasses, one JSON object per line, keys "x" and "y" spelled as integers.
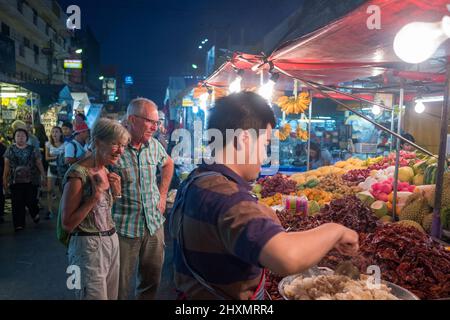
{"x": 139, "y": 213}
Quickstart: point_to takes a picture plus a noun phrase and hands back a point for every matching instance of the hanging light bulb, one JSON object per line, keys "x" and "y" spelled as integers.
{"x": 266, "y": 90}
{"x": 376, "y": 110}
{"x": 417, "y": 41}
{"x": 235, "y": 86}
{"x": 420, "y": 107}
{"x": 204, "y": 101}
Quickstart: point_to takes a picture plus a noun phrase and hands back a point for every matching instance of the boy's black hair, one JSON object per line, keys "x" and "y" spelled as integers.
{"x": 407, "y": 136}
{"x": 20, "y": 130}
{"x": 243, "y": 110}
{"x": 68, "y": 125}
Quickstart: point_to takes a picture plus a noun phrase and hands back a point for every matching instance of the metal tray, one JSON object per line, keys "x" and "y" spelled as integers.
{"x": 396, "y": 290}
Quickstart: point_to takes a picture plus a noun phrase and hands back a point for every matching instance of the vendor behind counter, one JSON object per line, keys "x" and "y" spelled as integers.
{"x": 319, "y": 157}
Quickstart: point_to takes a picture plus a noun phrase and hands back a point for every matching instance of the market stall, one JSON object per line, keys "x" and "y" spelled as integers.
{"x": 16, "y": 102}
{"x": 397, "y": 201}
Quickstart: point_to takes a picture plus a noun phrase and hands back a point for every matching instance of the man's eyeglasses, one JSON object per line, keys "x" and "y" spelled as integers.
{"x": 153, "y": 122}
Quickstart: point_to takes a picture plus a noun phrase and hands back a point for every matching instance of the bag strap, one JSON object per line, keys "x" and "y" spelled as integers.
{"x": 75, "y": 149}
{"x": 179, "y": 225}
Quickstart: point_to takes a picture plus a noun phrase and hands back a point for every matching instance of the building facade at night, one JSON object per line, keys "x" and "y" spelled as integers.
{"x": 35, "y": 32}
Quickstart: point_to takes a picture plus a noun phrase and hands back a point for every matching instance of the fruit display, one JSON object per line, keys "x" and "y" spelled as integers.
{"x": 292, "y": 105}
{"x": 415, "y": 209}
{"x": 381, "y": 190}
{"x": 366, "y": 197}
{"x": 428, "y": 191}
{"x": 320, "y": 196}
{"x": 359, "y": 195}
{"x": 335, "y": 184}
{"x": 276, "y": 184}
{"x": 405, "y": 174}
{"x": 356, "y": 176}
{"x": 371, "y": 161}
{"x": 304, "y": 177}
{"x": 412, "y": 224}
{"x": 313, "y": 207}
{"x": 430, "y": 174}
{"x": 379, "y": 208}
{"x": 274, "y": 200}
{"x": 445, "y": 203}
{"x": 351, "y": 164}
{"x": 406, "y": 159}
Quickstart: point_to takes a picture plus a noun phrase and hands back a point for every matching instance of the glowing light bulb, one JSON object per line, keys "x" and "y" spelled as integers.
{"x": 417, "y": 41}
{"x": 204, "y": 101}
{"x": 235, "y": 86}
{"x": 195, "y": 109}
{"x": 266, "y": 90}
{"x": 420, "y": 107}
{"x": 376, "y": 110}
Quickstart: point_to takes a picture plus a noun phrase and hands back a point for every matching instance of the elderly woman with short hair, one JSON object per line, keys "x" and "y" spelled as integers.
{"x": 21, "y": 174}
{"x": 89, "y": 192}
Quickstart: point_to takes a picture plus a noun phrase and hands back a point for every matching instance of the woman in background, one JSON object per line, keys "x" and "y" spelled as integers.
{"x": 22, "y": 164}
{"x": 53, "y": 149}
{"x": 319, "y": 157}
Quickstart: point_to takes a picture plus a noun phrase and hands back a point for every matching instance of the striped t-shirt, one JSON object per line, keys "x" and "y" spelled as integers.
{"x": 224, "y": 231}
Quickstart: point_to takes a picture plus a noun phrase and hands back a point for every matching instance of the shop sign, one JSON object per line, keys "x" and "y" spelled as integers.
{"x": 187, "y": 102}
{"x": 129, "y": 80}
{"x": 73, "y": 64}
{"x": 8, "y": 114}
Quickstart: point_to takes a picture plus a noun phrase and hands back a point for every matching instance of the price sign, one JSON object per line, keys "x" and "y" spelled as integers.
{"x": 8, "y": 114}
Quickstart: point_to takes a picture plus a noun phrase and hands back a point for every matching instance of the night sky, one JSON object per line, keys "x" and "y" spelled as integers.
{"x": 154, "y": 39}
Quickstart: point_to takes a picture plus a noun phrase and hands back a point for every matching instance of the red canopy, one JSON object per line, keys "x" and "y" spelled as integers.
{"x": 342, "y": 51}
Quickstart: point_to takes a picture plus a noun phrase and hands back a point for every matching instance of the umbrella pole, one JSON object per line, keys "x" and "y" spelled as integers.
{"x": 392, "y": 128}
{"x": 308, "y": 163}
{"x": 436, "y": 228}
{"x": 397, "y": 153}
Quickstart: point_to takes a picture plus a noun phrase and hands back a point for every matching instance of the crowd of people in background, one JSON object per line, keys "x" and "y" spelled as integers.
{"x": 109, "y": 183}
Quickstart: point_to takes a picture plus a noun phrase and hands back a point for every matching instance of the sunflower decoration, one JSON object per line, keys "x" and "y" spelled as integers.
{"x": 284, "y": 132}
{"x": 302, "y": 134}
{"x": 292, "y": 105}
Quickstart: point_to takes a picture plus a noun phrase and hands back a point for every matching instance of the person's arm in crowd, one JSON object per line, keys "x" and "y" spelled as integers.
{"x": 70, "y": 154}
{"x": 166, "y": 178}
{"x": 73, "y": 212}
{"x": 294, "y": 252}
{"x": 6, "y": 174}
{"x": 48, "y": 156}
{"x": 40, "y": 167}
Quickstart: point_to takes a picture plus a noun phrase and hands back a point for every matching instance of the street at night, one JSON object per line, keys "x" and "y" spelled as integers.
{"x": 224, "y": 150}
